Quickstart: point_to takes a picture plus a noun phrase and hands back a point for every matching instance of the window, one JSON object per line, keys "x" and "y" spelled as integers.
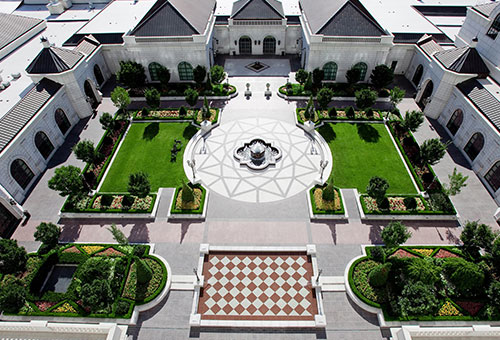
{"x": 362, "y": 67}
{"x": 43, "y": 144}
{"x": 474, "y": 145}
{"x": 185, "y": 71}
{"x": 495, "y": 27}
{"x": 21, "y": 173}
{"x": 418, "y": 75}
{"x": 269, "y": 45}
{"x": 455, "y": 121}
{"x": 154, "y": 69}
{"x": 393, "y": 65}
{"x": 493, "y": 176}
{"x": 62, "y": 121}
{"x": 330, "y": 70}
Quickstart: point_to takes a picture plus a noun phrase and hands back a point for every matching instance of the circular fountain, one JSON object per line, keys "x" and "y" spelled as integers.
{"x": 257, "y": 154}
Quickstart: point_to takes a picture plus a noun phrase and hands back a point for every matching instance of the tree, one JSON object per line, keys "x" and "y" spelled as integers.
{"x": 138, "y": 184}
{"x": 417, "y": 298}
{"x": 352, "y": 75}
{"x": 467, "y": 276}
{"x": 144, "y": 273}
{"x": 85, "y": 151}
{"x": 217, "y": 74}
{"x": 199, "y": 74}
{"x": 12, "y": 296}
{"x": 48, "y": 234}
{"x": 377, "y": 187}
{"x": 381, "y": 76}
{"x": 120, "y": 99}
{"x": 152, "y": 97}
{"x": 131, "y": 74}
{"x": 96, "y": 295}
{"x": 163, "y": 76}
{"x": 396, "y": 95}
{"x": 107, "y": 121}
{"x": 476, "y": 236}
{"x": 118, "y": 235}
{"x": 182, "y": 112}
{"x": 495, "y": 253}
{"x": 365, "y": 98}
{"x": 328, "y": 193}
{"x": 205, "y": 110}
{"x": 69, "y": 182}
{"x": 395, "y": 234}
{"x": 378, "y": 254}
{"x": 191, "y": 96}
{"x": 308, "y": 86}
{"x": 301, "y": 76}
{"x": 412, "y": 120}
{"x": 378, "y": 275}
{"x": 350, "y": 113}
{"x": 12, "y": 257}
{"x": 317, "y": 77}
{"x": 494, "y": 293}
{"x": 432, "y": 150}
{"x": 187, "y": 193}
{"x": 324, "y": 97}
{"x": 309, "y": 110}
{"x": 457, "y": 182}
{"x": 424, "y": 270}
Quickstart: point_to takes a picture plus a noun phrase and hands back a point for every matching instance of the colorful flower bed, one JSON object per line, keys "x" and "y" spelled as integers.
{"x": 400, "y": 253}
{"x": 443, "y": 253}
{"x": 110, "y": 252}
{"x": 173, "y": 114}
{"x": 360, "y": 277}
{"x": 341, "y": 114}
{"x": 396, "y": 205}
{"x": 116, "y": 203}
{"x": 470, "y": 306}
{"x": 423, "y": 251}
{"x": 194, "y": 207}
{"x": 131, "y": 292}
{"x": 448, "y": 309}
{"x": 321, "y": 206}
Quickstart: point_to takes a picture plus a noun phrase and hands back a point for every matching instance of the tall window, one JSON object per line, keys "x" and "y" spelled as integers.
{"x": 493, "y": 176}
{"x": 455, "y": 121}
{"x": 62, "y": 121}
{"x": 154, "y": 69}
{"x": 495, "y": 27}
{"x": 21, "y": 173}
{"x": 43, "y": 144}
{"x": 330, "y": 70}
{"x": 185, "y": 71}
{"x": 474, "y": 145}
{"x": 362, "y": 67}
{"x": 418, "y": 75}
{"x": 269, "y": 45}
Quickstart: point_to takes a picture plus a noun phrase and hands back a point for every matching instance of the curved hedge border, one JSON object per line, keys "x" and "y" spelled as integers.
{"x": 353, "y": 286}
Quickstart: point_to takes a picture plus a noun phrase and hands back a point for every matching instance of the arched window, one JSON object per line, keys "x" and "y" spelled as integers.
{"x": 493, "y": 176}
{"x": 362, "y": 67}
{"x": 154, "y": 69}
{"x": 185, "y": 71}
{"x": 43, "y": 144}
{"x": 62, "y": 121}
{"x": 269, "y": 45}
{"x": 418, "y": 75}
{"x": 21, "y": 173}
{"x": 98, "y": 75}
{"x": 495, "y": 27}
{"x": 330, "y": 70}
{"x": 245, "y": 45}
{"x": 455, "y": 121}
{"x": 474, "y": 145}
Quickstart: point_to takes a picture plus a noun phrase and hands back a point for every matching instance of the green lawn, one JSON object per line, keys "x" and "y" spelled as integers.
{"x": 147, "y": 148}
{"x": 361, "y": 151}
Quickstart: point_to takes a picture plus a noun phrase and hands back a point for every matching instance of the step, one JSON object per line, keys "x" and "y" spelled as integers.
{"x": 182, "y": 286}
{"x": 331, "y": 280}
{"x": 332, "y": 288}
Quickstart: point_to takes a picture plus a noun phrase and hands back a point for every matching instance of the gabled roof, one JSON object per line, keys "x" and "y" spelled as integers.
{"x": 20, "y": 115}
{"x": 462, "y": 60}
{"x": 350, "y": 21}
{"x": 175, "y": 18}
{"x": 14, "y": 26}
{"x": 429, "y": 45}
{"x": 482, "y": 99}
{"x": 257, "y": 10}
{"x": 102, "y": 38}
{"x": 486, "y": 9}
{"x": 88, "y": 45}
{"x": 54, "y": 60}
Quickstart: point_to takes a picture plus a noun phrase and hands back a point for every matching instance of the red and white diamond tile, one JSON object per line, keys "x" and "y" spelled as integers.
{"x": 257, "y": 286}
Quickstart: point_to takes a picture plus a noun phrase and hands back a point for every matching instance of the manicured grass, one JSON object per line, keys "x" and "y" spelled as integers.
{"x": 147, "y": 148}
{"x": 361, "y": 151}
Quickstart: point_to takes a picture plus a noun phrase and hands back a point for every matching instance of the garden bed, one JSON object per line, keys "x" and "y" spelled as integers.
{"x": 109, "y": 263}
{"x": 177, "y": 90}
{"x": 339, "y": 90}
{"x": 173, "y": 114}
{"x": 322, "y": 207}
{"x": 197, "y": 207}
{"x": 320, "y": 115}
{"x": 113, "y": 203}
{"x": 397, "y": 205}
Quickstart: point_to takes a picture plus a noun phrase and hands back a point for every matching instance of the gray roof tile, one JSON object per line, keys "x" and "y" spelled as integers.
{"x": 486, "y": 9}
{"x": 462, "y": 60}
{"x": 21, "y": 114}
{"x": 257, "y": 10}
{"x": 88, "y": 45}
{"x": 429, "y": 45}
{"x": 14, "y": 26}
{"x": 54, "y": 60}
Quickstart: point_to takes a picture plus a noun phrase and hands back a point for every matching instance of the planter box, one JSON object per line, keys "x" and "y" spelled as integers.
{"x": 342, "y": 215}
{"x": 187, "y": 215}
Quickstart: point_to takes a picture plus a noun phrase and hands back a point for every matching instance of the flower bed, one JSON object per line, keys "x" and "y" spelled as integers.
{"x": 195, "y": 207}
{"x": 177, "y": 90}
{"x": 339, "y": 90}
{"x": 320, "y": 115}
{"x": 173, "y": 114}
{"x": 115, "y": 203}
{"x": 320, "y": 206}
{"x": 119, "y": 261}
{"x": 397, "y": 206}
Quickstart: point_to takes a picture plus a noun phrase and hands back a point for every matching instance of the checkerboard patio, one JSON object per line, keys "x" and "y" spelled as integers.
{"x": 257, "y": 286}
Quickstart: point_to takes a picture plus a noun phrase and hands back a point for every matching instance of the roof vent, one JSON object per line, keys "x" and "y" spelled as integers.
{"x": 45, "y": 42}
{"x": 473, "y": 43}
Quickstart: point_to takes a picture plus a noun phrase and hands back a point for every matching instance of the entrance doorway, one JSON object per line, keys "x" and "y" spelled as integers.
{"x": 89, "y": 92}
{"x": 245, "y": 44}
{"x": 8, "y": 222}
{"x": 425, "y": 98}
{"x": 269, "y": 46}
{"x": 98, "y": 75}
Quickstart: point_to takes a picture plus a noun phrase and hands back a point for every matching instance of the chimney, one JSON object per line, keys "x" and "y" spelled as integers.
{"x": 45, "y": 42}
{"x": 473, "y": 43}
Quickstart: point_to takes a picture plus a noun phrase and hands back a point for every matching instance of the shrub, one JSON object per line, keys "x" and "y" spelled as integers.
{"x": 120, "y": 99}
{"x": 468, "y": 277}
{"x": 412, "y": 120}
{"x": 365, "y": 98}
{"x": 12, "y": 296}
{"x": 384, "y": 204}
{"x": 424, "y": 270}
{"x": 332, "y": 112}
{"x": 352, "y": 75}
{"x": 163, "y": 75}
{"x": 432, "y": 150}
{"x": 217, "y": 74}
{"x": 378, "y": 275}
{"x": 396, "y": 96}
{"x": 378, "y": 254}
{"x": 85, "y": 151}
{"x": 144, "y": 273}
{"x": 182, "y": 112}
{"x": 317, "y": 77}
{"x": 131, "y": 74}
{"x": 395, "y": 234}
{"x": 107, "y": 121}
{"x": 66, "y": 257}
{"x": 457, "y": 183}
{"x": 191, "y": 96}
{"x": 301, "y": 76}
{"x": 377, "y": 188}
{"x": 309, "y": 110}
{"x": 48, "y": 234}
{"x": 94, "y": 269}
{"x": 329, "y": 192}
{"x": 152, "y": 96}
{"x": 416, "y": 299}
{"x": 439, "y": 201}
{"x": 187, "y": 193}
{"x": 69, "y": 182}
{"x": 410, "y": 203}
{"x": 381, "y": 76}
{"x": 96, "y": 295}
{"x": 145, "y": 112}
{"x": 139, "y": 250}
{"x": 495, "y": 253}
{"x": 122, "y": 307}
{"x": 199, "y": 74}
{"x": 324, "y": 97}
{"x": 12, "y": 257}
{"x": 138, "y": 184}
{"x": 308, "y": 86}
{"x": 369, "y": 113}
{"x": 118, "y": 235}
{"x": 476, "y": 236}
{"x": 349, "y": 112}
{"x": 494, "y": 293}
{"x": 205, "y": 110}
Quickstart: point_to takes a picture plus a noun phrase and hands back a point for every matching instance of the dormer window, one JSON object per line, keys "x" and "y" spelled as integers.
{"x": 495, "y": 28}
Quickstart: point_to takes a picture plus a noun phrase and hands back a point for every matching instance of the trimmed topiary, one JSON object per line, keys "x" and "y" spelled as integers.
{"x": 378, "y": 276}
{"x": 182, "y": 111}
{"x": 369, "y": 113}
{"x": 350, "y": 112}
{"x": 328, "y": 193}
{"x": 378, "y": 254}
{"x": 332, "y": 112}
{"x": 410, "y": 203}
{"x": 187, "y": 193}
{"x": 144, "y": 273}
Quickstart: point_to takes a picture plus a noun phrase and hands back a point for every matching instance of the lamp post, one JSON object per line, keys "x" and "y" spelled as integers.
{"x": 322, "y": 164}
{"x": 192, "y": 164}
{"x": 196, "y": 273}
{"x": 319, "y": 274}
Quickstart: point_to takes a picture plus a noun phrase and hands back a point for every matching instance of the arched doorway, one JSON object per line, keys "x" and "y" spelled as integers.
{"x": 98, "y": 75}
{"x": 43, "y": 144}
{"x": 245, "y": 45}
{"x": 418, "y": 75}
{"x": 426, "y": 94}
{"x": 89, "y": 92}
{"x": 269, "y": 45}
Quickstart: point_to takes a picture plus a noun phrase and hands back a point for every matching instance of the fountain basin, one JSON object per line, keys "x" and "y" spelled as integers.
{"x": 257, "y": 154}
